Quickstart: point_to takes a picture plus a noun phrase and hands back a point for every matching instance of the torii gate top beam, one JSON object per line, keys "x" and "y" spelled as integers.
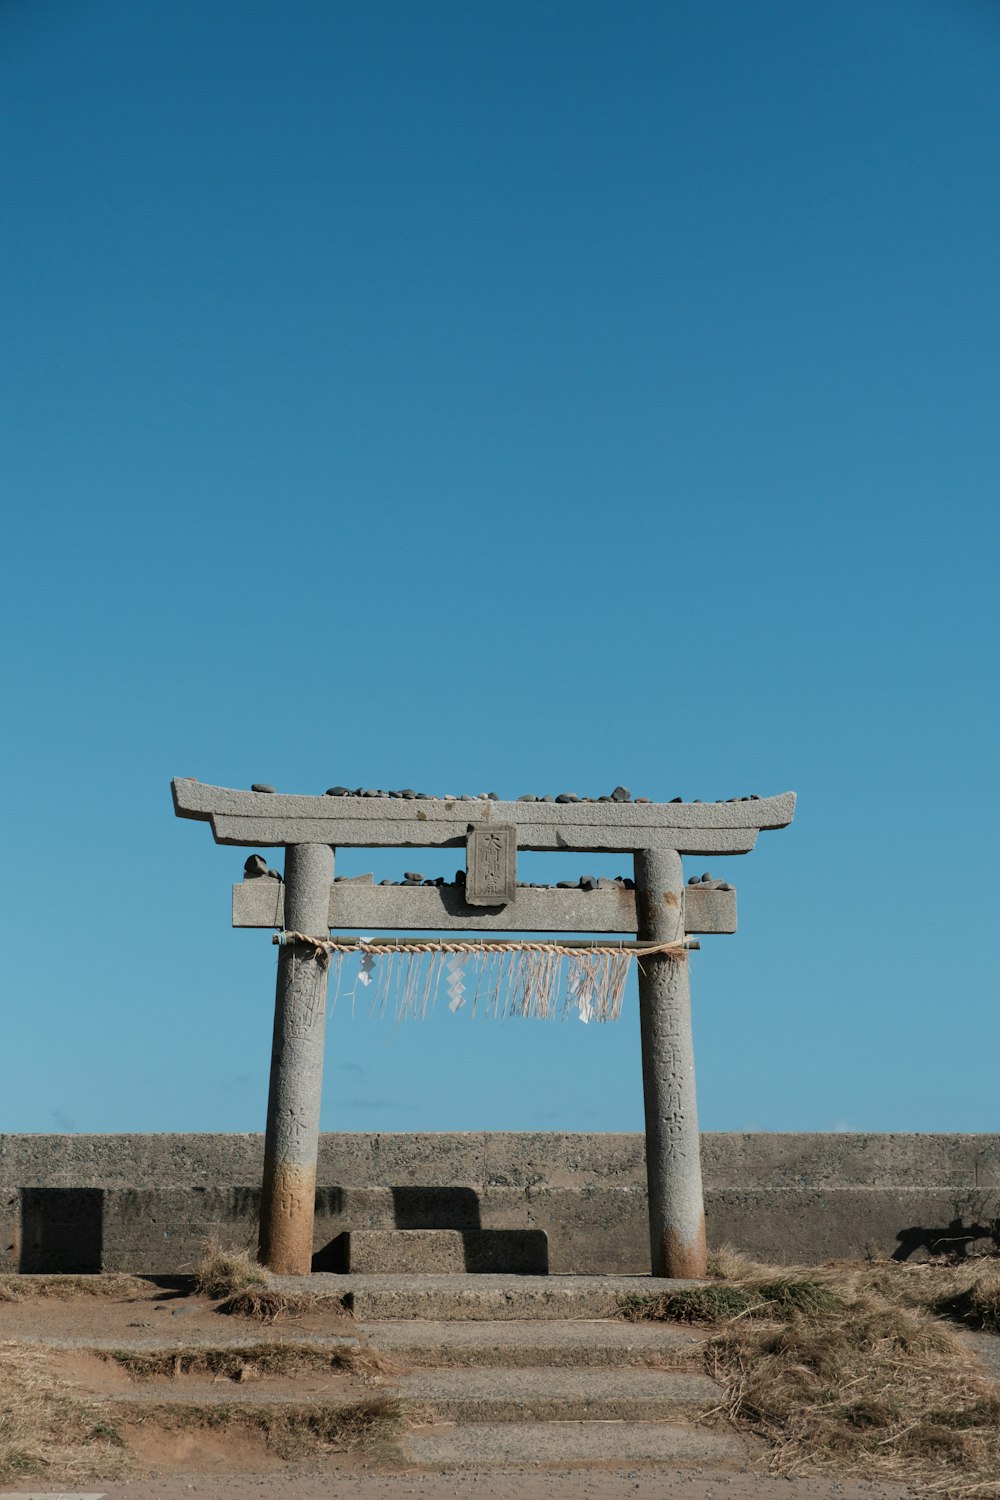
{"x": 264, "y": 819}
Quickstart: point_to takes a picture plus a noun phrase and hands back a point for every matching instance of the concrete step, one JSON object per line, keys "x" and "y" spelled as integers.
{"x": 556, "y": 1395}
{"x": 552, "y": 1341}
{"x": 458, "y": 1395}
{"x": 481, "y": 1445}
{"x": 446, "y": 1251}
{"x": 476, "y": 1297}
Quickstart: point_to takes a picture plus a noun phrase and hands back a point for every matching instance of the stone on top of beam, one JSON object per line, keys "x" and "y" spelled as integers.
{"x": 275, "y": 818}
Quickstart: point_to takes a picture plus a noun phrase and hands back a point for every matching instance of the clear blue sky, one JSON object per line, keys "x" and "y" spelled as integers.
{"x": 517, "y": 397}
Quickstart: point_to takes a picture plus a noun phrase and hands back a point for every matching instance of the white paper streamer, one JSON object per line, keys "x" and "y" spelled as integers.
{"x": 456, "y": 982}
{"x": 579, "y": 988}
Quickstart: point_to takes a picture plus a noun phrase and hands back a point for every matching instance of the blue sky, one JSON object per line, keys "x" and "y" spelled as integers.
{"x": 521, "y": 397}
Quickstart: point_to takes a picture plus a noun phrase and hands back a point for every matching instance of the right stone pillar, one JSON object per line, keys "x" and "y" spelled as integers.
{"x": 673, "y": 1148}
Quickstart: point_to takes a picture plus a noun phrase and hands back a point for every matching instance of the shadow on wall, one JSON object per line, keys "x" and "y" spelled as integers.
{"x": 435, "y": 1208}
{"x": 62, "y": 1230}
{"x": 953, "y": 1239}
{"x": 66, "y": 1230}
{"x": 86, "y": 1230}
{"x": 441, "y": 1208}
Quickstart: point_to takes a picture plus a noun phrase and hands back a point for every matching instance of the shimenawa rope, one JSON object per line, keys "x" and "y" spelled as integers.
{"x": 514, "y": 977}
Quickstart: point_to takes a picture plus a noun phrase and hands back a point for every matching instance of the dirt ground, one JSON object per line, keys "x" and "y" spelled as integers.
{"x": 157, "y": 1311}
{"x": 178, "y": 1465}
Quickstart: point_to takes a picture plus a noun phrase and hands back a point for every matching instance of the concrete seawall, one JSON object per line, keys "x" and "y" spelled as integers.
{"x": 149, "y": 1202}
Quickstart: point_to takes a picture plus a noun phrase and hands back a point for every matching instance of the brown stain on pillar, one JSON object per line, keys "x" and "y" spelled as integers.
{"x": 286, "y": 1219}
{"x": 646, "y": 907}
{"x": 671, "y": 898}
{"x": 685, "y": 1256}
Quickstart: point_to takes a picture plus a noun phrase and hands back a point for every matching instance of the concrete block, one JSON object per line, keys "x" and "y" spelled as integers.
{"x": 850, "y": 1160}
{"x": 446, "y": 1251}
{"x": 428, "y": 1159}
{"x": 149, "y": 1202}
{"x": 164, "y": 1231}
{"x": 590, "y": 1230}
{"x": 563, "y": 1159}
{"x": 810, "y": 1225}
{"x": 127, "y": 1160}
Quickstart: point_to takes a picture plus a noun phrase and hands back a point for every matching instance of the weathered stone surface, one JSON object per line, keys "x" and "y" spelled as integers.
{"x": 422, "y": 1159}
{"x": 559, "y": 1395}
{"x": 673, "y": 1146}
{"x": 553, "y": 1342}
{"x": 130, "y": 1229}
{"x": 511, "y": 1252}
{"x": 551, "y": 1158}
{"x": 292, "y": 1136}
{"x": 480, "y": 1298}
{"x": 789, "y": 1225}
{"x": 363, "y": 907}
{"x": 239, "y": 817}
{"x": 557, "y": 1159}
{"x": 851, "y": 1159}
{"x": 516, "y": 1445}
{"x": 582, "y": 838}
{"x": 491, "y": 865}
{"x": 590, "y": 1230}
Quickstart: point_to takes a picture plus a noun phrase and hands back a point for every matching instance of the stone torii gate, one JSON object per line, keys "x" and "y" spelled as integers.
{"x": 659, "y": 909}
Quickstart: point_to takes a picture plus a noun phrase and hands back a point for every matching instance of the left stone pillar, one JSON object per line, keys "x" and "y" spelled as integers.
{"x": 288, "y": 1195}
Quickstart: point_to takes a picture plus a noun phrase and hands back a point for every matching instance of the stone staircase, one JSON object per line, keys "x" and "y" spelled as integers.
{"x": 490, "y": 1372}
{"x": 523, "y": 1371}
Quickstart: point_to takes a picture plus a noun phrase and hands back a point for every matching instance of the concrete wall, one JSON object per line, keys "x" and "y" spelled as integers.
{"x": 148, "y": 1202}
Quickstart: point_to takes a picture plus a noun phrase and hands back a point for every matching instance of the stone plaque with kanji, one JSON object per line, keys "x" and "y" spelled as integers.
{"x": 491, "y": 868}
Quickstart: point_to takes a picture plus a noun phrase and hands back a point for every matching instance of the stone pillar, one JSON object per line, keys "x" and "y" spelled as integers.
{"x": 673, "y": 1153}
{"x": 288, "y": 1196}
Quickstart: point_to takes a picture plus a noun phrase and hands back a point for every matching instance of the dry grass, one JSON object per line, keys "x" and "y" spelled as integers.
{"x": 46, "y": 1430}
{"x": 841, "y": 1368}
{"x": 772, "y": 1297}
{"x": 251, "y": 1361}
{"x": 292, "y": 1432}
{"x": 269, "y": 1303}
{"x": 111, "y": 1285}
{"x": 224, "y": 1273}
{"x": 965, "y": 1292}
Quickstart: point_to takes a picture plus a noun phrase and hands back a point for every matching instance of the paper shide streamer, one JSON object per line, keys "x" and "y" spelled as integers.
{"x": 531, "y": 979}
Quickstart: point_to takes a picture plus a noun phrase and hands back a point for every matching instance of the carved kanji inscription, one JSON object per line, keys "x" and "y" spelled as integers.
{"x": 491, "y": 865}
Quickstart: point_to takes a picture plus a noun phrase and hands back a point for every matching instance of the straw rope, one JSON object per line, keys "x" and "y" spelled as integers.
{"x": 466, "y": 945}
{"x": 513, "y": 977}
